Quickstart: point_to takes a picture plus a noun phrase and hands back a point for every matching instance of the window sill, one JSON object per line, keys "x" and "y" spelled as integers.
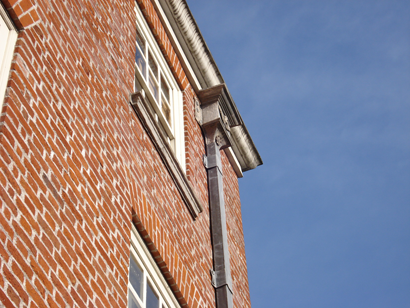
{"x": 143, "y": 110}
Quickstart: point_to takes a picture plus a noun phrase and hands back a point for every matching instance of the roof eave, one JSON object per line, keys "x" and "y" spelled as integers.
{"x": 208, "y": 75}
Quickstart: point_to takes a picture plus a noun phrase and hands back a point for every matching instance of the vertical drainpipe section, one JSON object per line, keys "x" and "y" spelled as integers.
{"x": 217, "y": 138}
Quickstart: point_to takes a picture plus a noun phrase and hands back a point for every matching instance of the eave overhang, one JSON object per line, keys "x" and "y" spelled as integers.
{"x": 208, "y": 79}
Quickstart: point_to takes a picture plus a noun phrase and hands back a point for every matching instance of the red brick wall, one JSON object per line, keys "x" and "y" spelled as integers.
{"x": 76, "y": 164}
{"x": 65, "y": 201}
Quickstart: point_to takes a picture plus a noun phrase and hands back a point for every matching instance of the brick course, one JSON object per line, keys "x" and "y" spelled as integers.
{"x": 77, "y": 167}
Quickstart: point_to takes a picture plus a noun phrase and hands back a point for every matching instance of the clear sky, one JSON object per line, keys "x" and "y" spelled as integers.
{"x": 324, "y": 89}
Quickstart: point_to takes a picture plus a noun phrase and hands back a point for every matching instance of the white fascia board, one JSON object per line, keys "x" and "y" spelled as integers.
{"x": 236, "y": 166}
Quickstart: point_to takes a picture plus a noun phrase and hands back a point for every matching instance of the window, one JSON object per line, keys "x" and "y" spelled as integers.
{"x": 8, "y": 37}
{"x": 147, "y": 287}
{"x": 153, "y": 75}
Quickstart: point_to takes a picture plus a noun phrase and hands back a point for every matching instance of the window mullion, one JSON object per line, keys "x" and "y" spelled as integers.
{"x": 135, "y": 295}
{"x": 147, "y": 60}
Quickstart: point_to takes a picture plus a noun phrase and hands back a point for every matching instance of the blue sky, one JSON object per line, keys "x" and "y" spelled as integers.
{"x": 324, "y": 89}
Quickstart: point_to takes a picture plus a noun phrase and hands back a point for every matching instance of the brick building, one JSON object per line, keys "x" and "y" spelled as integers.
{"x": 120, "y": 152}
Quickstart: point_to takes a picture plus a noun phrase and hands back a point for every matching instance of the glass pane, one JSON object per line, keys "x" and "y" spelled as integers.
{"x": 142, "y": 66}
{"x": 164, "y": 88}
{"x": 132, "y": 302}
{"x": 166, "y": 111}
{"x": 138, "y": 86}
{"x": 136, "y": 277}
{"x": 141, "y": 42}
{"x": 152, "y": 298}
{"x": 153, "y": 87}
{"x": 153, "y": 66}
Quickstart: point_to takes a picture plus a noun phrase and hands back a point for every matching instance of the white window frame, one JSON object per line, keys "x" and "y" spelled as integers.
{"x": 5, "y": 59}
{"x": 151, "y": 274}
{"x": 174, "y": 131}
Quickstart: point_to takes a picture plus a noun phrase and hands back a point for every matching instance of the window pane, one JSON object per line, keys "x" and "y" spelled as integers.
{"x": 153, "y": 87}
{"x": 166, "y": 111}
{"x": 142, "y": 66}
{"x": 136, "y": 277}
{"x": 152, "y": 298}
{"x": 141, "y": 42}
{"x": 153, "y": 66}
{"x": 132, "y": 302}
{"x": 164, "y": 88}
{"x": 138, "y": 86}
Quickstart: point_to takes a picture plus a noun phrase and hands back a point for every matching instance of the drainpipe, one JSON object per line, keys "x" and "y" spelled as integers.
{"x": 217, "y": 137}
{"x": 221, "y": 275}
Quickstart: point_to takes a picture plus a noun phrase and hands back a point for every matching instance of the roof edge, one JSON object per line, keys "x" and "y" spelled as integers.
{"x": 208, "y": 74}
{"x": 193, "y": 43}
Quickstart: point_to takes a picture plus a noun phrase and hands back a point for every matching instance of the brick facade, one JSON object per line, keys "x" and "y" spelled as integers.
{"x": 77, "y": 168}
